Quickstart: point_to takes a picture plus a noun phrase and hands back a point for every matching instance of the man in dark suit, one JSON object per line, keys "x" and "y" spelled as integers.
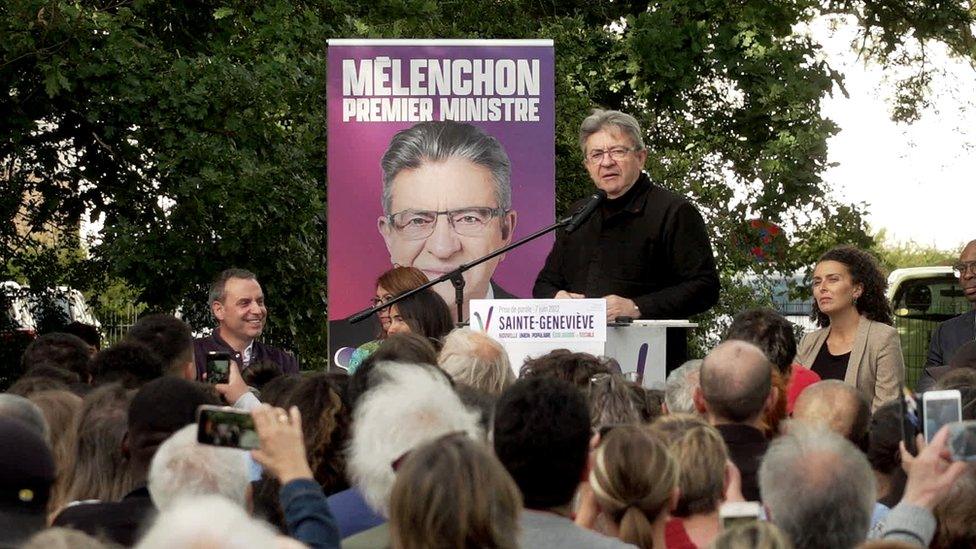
{"x": 956, "y": 332}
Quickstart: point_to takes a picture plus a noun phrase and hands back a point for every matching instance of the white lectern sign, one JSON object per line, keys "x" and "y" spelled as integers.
{"x": 533, "y": 327}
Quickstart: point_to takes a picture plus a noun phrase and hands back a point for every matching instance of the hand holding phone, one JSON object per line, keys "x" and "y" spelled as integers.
{"x": 282, "y": 449}
{"x": 225, "y": 426}
{"x": 940, "y": 408}
{"x": 218, "y": 367}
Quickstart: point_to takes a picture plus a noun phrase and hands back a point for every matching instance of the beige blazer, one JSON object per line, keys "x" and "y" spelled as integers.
{"x": 876, "y": 366}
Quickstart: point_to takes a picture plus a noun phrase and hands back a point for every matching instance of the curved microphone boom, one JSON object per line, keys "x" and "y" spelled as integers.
{"x": 587, "y": 210}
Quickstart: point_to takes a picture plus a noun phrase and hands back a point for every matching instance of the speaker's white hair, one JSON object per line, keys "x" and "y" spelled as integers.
{"x": 412, "y": 405}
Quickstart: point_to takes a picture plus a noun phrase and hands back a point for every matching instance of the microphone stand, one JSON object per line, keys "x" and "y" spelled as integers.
{"x": 457, "y": 275}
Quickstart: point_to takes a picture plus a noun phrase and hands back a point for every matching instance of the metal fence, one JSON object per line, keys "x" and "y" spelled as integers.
{"x": 115, "y": 326}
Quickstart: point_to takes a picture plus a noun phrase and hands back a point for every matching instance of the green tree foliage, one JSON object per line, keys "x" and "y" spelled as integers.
{"x": 899, "y": 255}
{"x": 197, "y": 129}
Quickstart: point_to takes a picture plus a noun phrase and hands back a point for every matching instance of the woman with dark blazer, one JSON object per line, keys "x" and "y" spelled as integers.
{"x": 856, "y": 342}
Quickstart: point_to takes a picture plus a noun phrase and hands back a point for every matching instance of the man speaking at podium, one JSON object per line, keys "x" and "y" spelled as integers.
{"x": 645, "y": 249}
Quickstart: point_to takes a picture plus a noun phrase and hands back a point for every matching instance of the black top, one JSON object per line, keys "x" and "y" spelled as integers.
{"x": 649, "y": 245}
{"x": 747, "y": 446}
{"x": 829, "y": 366}
{"x": 259, "y": 353}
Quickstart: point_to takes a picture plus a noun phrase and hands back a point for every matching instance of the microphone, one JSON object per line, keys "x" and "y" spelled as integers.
{"x": 587, "y": 210}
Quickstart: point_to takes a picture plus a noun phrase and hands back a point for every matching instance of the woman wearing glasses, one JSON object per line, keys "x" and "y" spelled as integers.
{"x": 391, "y": 283}
{"x": 856, "y": 342}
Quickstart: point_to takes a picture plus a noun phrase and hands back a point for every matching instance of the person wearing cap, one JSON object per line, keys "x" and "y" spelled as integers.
{"x": 26, "y": 476}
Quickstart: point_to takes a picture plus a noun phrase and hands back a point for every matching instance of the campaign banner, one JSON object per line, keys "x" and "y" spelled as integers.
{"x": 439, "y": 152}
{"x": 530, "y": 328}
{"x": 548, "y": 320}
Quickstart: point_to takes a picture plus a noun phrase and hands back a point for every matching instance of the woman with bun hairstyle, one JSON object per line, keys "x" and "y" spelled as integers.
{"x": 635, "y": 485}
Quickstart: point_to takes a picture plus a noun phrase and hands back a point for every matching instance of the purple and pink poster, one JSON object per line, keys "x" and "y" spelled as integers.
{"x": 439, "y": 152}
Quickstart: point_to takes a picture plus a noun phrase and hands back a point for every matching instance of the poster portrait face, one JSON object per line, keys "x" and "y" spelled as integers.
{"x": 438, "y": 152}
{"x": 447, "y": 201}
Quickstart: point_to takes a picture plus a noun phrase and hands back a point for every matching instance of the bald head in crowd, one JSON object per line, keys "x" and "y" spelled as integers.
{"x": 836, "y": 405}
{"x": 736, "y": 382}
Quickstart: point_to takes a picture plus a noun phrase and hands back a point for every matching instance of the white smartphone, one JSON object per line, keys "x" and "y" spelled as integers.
{"x": 738, "y": 512}
{"x": 940, "y": 408}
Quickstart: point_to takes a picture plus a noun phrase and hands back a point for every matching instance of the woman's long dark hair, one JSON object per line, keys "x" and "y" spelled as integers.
{"x": 864, "y": 270}
{"x": 427, "y": 315}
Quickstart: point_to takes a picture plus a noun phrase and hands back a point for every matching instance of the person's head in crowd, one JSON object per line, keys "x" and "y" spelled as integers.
{"x": 884, "y": 434}
{"x": 183, "y": 467}
{"x": 60, "y": 409}
{"x": 237, "y": 303}
{"x": 475, "y": 359}
{"x": 611, "y": 401}
{"x": 964, "y": 357}
{"x": 453, "y": 170}
{"x": 955, "y": 516}
{"x": 207, "y": 521}
{"x": 964, "y": 381}
{"x": 840, "y": 407}
{"x": 410, "y": 404}
{"x": 340, "y": 382}
{"x": 27, "y": 474}
{"x": 818, "y": 488}
{"x": 576, "y": 368}
{"x": 30, "y": 384}
{"x": 541, "y": 435}
{"x": 757, "y": 534}
{"x": 613, "y": 150}
{"x": 99, "y": 470}
{"x": 170, "y": 338}
{"x": 649, "y": 402}
{"x": 453, "y": 492}
{"x": 129, "y": 363}
{"x": 965, "y": 269}
{"x": 277, "y": 391}
{"x": 680, "y": 387}
{"x": 635, "y": 481}
{"x": 325, "y": 427}
{"x": 848, "y": 279}
{"x": 86, "y": 332}
{"x": 65, "y": 351}
{"x": 736, "y": 384}
{"x": 409, "y": 348}
{"x": 258, "y": 374}
{"x": 159, "y": 409}
{"x": 63, "y": 538}
{"x": 478, "y": 401}
{"x": 23, "y": 410}
{"x": 67, "y": 377}
{"x": 772, "y": 333}
{"x": 391, "y": 284}
{"x": 701, "y": 456}
{"x": 425, "y": 314}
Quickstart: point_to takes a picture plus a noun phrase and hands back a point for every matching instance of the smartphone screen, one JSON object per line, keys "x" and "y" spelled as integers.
{"x": 218, "y": 367}
{"x": 733, "y": 513}
{"x": 220, "y": 426}
{"x": 962, "y": 441}
{"x": 940, "y": 408}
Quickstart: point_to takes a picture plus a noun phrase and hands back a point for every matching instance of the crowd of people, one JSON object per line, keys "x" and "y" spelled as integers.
{"x": 435, "y": 441}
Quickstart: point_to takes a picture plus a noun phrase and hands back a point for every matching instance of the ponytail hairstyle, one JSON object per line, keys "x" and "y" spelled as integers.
{"x": 633, "y": 478}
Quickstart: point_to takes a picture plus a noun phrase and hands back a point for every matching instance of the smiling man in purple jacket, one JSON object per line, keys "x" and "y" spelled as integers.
{"x": 237, "y": 302}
